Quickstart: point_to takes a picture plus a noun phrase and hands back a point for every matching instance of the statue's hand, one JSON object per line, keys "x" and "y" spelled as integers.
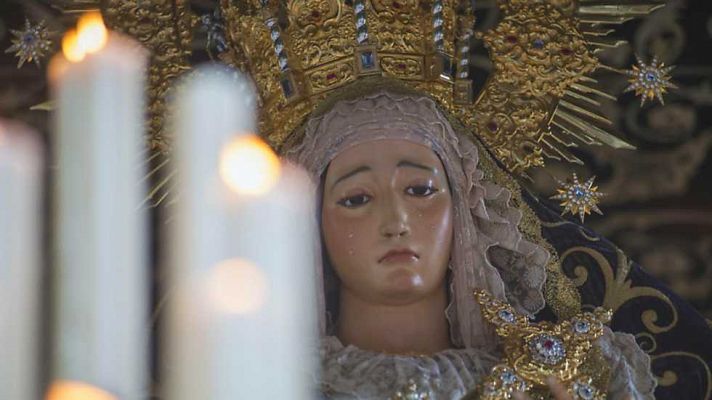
{"x": 557, "y": 390}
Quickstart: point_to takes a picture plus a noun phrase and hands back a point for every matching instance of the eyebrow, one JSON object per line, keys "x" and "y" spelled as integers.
{"x": 406, "y": 163}
{"x": 365, "y": 168}
{"x": 358, "y": 170}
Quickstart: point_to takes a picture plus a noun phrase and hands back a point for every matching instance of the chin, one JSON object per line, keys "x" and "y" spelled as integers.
{"x": 403, "y": 284}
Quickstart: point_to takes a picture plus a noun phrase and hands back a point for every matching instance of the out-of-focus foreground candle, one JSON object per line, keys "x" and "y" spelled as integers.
{"x": 100, "y": 279}
{"x": 242, "y": 310}
{"x": 20, "y": 257}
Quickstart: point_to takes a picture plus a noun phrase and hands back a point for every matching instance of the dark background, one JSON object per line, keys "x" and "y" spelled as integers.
{"x": 658, "y": 206}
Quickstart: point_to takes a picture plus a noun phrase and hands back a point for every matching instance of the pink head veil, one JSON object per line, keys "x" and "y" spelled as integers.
{"x": 488, "y": 251}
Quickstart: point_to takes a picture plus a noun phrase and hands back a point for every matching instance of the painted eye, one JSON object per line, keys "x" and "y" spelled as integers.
{"x": 355, "y": 201}
{"x": 421, "y": 190}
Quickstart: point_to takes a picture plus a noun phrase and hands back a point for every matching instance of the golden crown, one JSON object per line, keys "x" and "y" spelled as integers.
{"x": 538, "y": 102}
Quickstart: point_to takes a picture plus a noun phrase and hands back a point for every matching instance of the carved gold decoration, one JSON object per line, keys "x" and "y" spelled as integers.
{"x": 536, "y": 351}
{"x": 165, "y": 28}
{"x": 618, "y": 287}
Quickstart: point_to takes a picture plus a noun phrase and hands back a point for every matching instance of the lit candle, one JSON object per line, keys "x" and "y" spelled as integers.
{"x": 100, "y": 279}
{"x": 242, "y": 319}
{"x": 20, "y": 257}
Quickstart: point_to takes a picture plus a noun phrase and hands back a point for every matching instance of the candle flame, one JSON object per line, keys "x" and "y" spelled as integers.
{"x": 66, "y": 390}
{"x": 249, "y": 166}
{"x": 70, "y": 46}
{"x": 237, "y": 287}
{"x": 90, "y": 37}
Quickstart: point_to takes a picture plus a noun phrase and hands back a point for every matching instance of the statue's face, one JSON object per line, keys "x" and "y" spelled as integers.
{"x": 387, "y": 221}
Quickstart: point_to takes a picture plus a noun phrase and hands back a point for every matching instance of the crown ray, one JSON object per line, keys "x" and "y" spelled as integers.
{"x": 589, "y": 90}
{"x": 582, "y": 111}
{"x": 578, "y": 96}
{"x": 562, "y": 153}
{"x": 618, "y": 10}
{"x": 592, "y": 130}
{"x": 572, "y": 132}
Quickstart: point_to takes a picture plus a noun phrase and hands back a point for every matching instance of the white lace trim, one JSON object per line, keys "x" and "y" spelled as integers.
{"x": 631, "y": 377}
{"x": 351, "y": 373}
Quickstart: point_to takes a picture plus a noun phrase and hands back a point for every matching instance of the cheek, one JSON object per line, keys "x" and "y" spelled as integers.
{"x": 435, "y": 220}
{"x": 434, "y": 227}
{"x": 345, "y": 235}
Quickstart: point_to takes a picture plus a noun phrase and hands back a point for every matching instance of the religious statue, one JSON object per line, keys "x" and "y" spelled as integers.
{"x": 441, "y": 277}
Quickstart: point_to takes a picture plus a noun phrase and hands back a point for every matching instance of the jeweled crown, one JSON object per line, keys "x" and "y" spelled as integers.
{"x": 300, "y": 51}
{"x": 538, "y": 101}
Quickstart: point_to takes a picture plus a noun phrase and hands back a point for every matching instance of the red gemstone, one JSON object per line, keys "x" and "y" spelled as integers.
{"x": 397, "y": 5}
{"x": 567, "y": 51}
{"x": 511, "y": 39}
{"x": 316, "y": 14}
{"x": 548, "y": 344}
{"x": 401, "y": 66}
{"x": 331, "y": 76}
{"x": 492, "y": 126}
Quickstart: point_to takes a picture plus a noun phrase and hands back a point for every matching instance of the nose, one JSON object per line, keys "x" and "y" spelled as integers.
{"x": 394, "y": 220}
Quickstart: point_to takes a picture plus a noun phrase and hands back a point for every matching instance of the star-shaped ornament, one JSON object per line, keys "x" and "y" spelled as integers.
{"x": 649, "y": 81}
{"x": 579, "y": 198}
{"x": 31, "y": 44}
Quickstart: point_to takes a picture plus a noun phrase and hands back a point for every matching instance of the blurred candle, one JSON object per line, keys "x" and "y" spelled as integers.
{"x": 20, "y": 257}
{"x": 100, "y": 281}
{"x": 242, "y": 320}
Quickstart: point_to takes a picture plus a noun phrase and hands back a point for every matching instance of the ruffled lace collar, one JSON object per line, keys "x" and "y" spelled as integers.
{"x": 351, "y": 373}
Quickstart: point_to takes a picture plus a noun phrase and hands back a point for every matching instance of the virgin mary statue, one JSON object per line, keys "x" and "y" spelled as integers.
{"x": 441, "y": 277}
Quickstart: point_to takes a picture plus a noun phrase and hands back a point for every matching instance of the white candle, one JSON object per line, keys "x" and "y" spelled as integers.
{"x": 100, "y": 277}
{"x": 20, "y": 257}
{"x": 242, "y": 320}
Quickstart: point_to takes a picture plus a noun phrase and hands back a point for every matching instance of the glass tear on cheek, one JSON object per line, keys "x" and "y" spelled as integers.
{"x": 351, "y": 252}
{"x": 351, "y": 235}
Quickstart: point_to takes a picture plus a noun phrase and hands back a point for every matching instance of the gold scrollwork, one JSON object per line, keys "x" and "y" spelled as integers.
{"x": 669, "y": 377}
{"x": 405, "y": 68}
{"x": 619, "y": 289}
{"x": 333, "y": 75}
{"x": 647, "y": 342}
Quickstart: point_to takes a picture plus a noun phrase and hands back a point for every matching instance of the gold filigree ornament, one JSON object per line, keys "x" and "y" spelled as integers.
{"x": 539, "y": 101}
{"x": 533, "y": 352}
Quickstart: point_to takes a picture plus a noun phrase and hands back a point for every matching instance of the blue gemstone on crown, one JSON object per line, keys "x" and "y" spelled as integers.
{"x": 538, "y": 44}
{"x": 287, "y": 87}
{"x": 368, "y": 61}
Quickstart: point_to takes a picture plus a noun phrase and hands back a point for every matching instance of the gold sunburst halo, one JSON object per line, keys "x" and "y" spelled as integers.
{"x": 650, "y": 81}
{"x": 578, "y": 198}
{"x": 33, "y": 43}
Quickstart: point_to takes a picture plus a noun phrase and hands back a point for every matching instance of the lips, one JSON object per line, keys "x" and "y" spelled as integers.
{"x": 399, "y": 255}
